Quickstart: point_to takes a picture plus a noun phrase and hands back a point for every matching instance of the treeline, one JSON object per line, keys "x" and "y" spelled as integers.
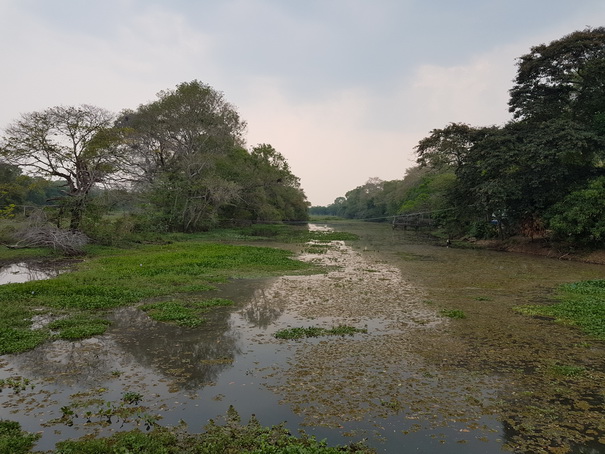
{"x": 177, "y": 164}
{"x": 540, "y": 174}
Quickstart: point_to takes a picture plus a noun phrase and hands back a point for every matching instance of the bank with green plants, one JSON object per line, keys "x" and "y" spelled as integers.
{"x": 176, "y": 272}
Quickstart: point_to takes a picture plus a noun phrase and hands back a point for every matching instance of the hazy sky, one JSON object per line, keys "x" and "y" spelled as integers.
{"x": 344, "y": 89}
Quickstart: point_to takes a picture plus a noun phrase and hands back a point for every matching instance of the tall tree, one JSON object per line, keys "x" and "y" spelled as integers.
{"x": 74, "y": 144}
{"x": 565, "y": 78}
{"x": 449, "y": 146}
{"x": 175, "y": 144}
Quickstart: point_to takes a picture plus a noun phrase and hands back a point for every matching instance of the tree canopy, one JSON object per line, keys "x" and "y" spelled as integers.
{"x": 517, "y": 174}
{"x": 76, "y": 145}
{"x": 540, "y": 171}
{"x": 181, "y": 159}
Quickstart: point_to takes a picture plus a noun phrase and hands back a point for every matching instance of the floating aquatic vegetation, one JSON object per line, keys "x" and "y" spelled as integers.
{"x": 453, "y": 313}
{"x": 315, "y": 331}
{"x": 183, "y": 313}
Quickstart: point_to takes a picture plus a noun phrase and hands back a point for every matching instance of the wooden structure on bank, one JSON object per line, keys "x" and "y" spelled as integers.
{"x": 414, "y": 220}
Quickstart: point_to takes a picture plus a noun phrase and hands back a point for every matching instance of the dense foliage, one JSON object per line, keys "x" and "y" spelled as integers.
{"x": 176, "y": 164}
{"x": 540, "y": 174}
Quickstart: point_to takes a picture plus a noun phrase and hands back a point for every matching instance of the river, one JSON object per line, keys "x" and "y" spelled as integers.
{"x": 417, "y": 381}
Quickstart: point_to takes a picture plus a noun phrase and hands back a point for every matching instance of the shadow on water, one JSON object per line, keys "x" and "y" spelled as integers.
{"x": 413, "y": 383}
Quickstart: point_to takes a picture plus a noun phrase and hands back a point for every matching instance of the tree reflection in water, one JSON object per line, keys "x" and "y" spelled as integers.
{"x": 192, "y": 357}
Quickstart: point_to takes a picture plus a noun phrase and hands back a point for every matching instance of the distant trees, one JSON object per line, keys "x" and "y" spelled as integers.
{"x": 18, "y": 190}
{"x": 421, "y": 190}
{"x": 541, "y": 171}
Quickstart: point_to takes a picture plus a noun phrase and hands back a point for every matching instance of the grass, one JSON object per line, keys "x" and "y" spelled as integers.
{"x": 314, "y": 331}
{"x": 112, "y": 277}
{"x": 580, "y": 304}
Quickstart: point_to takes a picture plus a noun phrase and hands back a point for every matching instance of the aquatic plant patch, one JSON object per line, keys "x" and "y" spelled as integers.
{"x": 14, "y": 440}
{"x": 567, "y": 370}
{"x": 580, "y": 304}
{"x": 230, "y": 437}
{"x": 183, "y": 313}
{"x": 17, "y": 384}
{"x": 79, "y": 326}
{"x": 118, "y": 277}
{"x": 453, "y": 313}
{"x": 16, "y": 340}
{"x": 314, "y": 331}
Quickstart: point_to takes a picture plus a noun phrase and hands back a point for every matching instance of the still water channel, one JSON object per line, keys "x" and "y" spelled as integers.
{"x": 415, "y": 382}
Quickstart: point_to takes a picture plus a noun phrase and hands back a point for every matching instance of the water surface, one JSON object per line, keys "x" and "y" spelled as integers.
{"x": 416, "y": 382}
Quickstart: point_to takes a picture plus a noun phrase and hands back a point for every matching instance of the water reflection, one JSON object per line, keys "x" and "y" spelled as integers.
{"x": 25, "y": 272}
{"x": 262, "y": 307}
{"x": 192, "y": 357}
{"x": 66, "y": 363}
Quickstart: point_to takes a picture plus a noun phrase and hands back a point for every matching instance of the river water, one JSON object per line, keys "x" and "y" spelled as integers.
{"x": 415, "y": 382}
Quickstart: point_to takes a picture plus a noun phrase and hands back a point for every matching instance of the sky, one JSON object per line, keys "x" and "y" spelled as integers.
{"x": 344, "y": 89}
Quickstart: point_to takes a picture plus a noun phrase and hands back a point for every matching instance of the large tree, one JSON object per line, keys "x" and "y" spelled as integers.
{"x": 565, "y": 78}
{"x": 555, "y": 144}
{"x": 175, "y": 144}
{"x": 76, "y": 145}
{"x": 449, "y": 146}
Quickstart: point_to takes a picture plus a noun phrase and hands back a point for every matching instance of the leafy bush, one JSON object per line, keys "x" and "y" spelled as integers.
{"x": 579, "y": 216}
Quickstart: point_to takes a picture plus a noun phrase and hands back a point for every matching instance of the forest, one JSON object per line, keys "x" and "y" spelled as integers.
{"x": 542, "y": 174}
{"x": 177, "y": 164}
